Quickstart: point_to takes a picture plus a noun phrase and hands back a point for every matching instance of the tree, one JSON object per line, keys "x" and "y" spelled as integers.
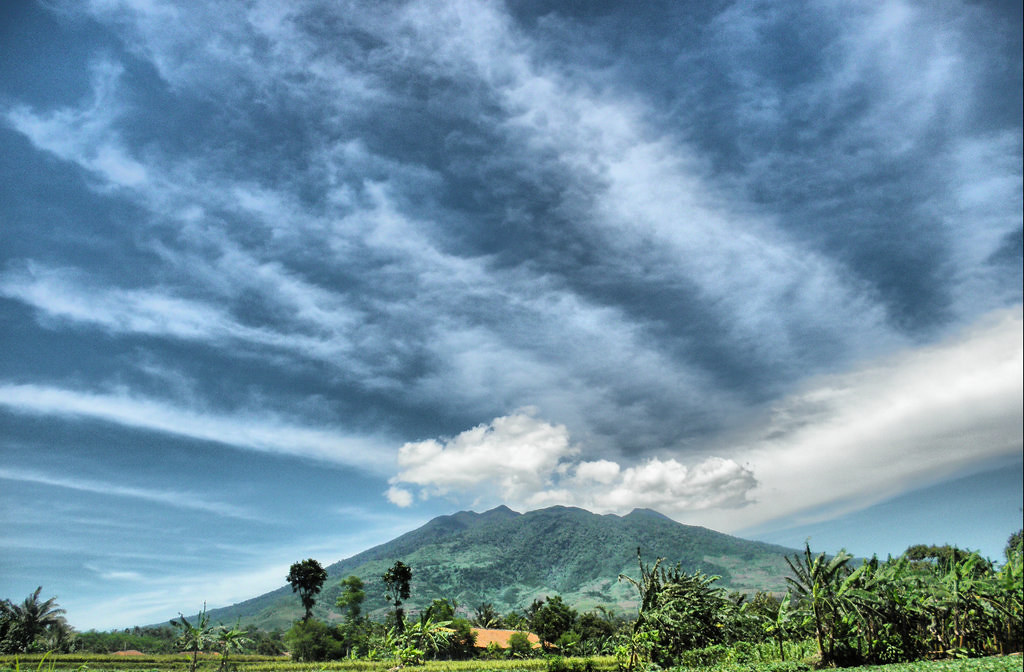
{"x": 7, "y": 625}
{"x": 353, "y": 632}
{"x": 231, "y": 640}
{"x": 351, "y": 598}
{"x": 194, "y": 638}
{"x": 307, "y": 578}
{"x": 311, "y": 640}
{"x": 425, "y": 636}
{"x": 816, "y": 579}
{"x": 677, "y": 611}
{"x": 442, "y": 609}
{"x": 1014, "y": 546}
{"x": 60, "y": 637}
{"x": 484, "y": 616}
{"x": 519, "y": 645}
{"x": 513, "y": 620}
{"x": 945, "y": 556}
{"x": 596, "y": 629}
{"x": 268, "y": 643}
{"x": 21, "y": 625}
{"x": 643, "y": 638}
{"x": 462, "y": 642}
{"x": 552, "y": 620}
{"x": 689, "y": 613}
{"x": 396, "y": 589}
{"x": 775, "y": 618}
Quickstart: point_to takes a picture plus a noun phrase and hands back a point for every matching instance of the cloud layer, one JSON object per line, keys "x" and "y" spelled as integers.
{"x": 676, "y": 255}
{"x": 843, "y": 443}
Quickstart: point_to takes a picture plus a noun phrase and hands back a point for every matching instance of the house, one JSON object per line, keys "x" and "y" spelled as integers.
{"x": 486, "y": 636}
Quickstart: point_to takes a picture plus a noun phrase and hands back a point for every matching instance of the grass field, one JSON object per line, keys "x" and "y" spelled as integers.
{"x": 179, "y": 663}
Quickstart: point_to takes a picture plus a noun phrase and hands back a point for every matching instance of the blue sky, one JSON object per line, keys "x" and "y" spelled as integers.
{"x": 285, "y": 280}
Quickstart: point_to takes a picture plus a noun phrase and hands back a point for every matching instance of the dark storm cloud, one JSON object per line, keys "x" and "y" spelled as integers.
{"x": 840, "y": 119}
{"x": 640, "y": 220}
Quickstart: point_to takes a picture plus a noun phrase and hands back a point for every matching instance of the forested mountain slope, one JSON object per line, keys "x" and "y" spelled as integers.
{"x": 509, "y": 559}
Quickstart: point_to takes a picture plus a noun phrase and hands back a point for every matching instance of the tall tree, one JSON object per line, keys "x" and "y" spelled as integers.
{"x": 1014, "y": 545}
{"x": 22, "y": 624}
{"x": 552, "y": 620}
{"x": 307, "y": 578}
{"x": 396, "y": 590}
{"x": 351, "y": 598}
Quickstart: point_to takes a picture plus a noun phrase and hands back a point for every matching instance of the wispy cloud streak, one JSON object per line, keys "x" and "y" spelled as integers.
{"x": 249, "y": 431}
{"x": 191, "y": 501}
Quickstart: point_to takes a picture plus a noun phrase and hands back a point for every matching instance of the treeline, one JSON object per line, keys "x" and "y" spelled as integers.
{"x": 930, "y": 602}
{"x": 437, "y": 632}
{"x": 164, "y": 640}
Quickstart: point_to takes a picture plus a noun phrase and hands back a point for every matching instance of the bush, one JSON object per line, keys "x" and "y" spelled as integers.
{"x": 312, "y": 641}
{"x": 519, "y": 645}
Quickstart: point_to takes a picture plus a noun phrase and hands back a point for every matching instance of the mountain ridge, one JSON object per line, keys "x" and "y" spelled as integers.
{"x": 509, "y": 559}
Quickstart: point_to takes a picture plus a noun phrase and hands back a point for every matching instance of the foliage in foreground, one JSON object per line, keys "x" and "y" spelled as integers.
{"x": 101, "y": 663}
{"x": 177, "y": 663}
{"x": 930, "y": 602}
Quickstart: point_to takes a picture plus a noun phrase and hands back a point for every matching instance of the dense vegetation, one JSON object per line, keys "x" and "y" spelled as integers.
{"x": 928, "y": 603}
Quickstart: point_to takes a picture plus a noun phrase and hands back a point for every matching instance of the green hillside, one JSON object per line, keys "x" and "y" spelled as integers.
{"x": 509, "y": 559}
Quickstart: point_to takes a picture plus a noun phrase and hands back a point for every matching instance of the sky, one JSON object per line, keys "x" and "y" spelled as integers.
{"x": 283, "y": 280}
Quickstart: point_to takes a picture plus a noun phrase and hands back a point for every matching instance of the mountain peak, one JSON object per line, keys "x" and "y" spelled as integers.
{"x": 502, "y": 511}
{"x": 647, "y": 513}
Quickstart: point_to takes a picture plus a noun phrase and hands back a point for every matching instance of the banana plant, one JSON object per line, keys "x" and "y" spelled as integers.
{"x": 194, "y": 638}
{"x": 816, "y": 580}
{"x": 778, "y": 627}
{"x": 231, "y": 640}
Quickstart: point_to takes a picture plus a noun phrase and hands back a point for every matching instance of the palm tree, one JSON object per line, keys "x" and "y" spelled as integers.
{"x": 60, "y": 637}
{"x": 484, "y": 616}
{"x": 25, "y": 622}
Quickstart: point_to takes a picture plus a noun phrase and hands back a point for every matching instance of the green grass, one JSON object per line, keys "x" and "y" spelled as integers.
{"x": 991, "y": 664}
{"x": 176, "y": 663}
{"x": 180, "y": 663}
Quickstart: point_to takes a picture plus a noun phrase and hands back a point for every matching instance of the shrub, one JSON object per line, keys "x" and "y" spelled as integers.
{"x": 311, "y": 641}
{"x": 519, "y": 645}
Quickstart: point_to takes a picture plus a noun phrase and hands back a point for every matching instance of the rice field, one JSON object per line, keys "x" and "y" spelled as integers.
{"x": 180, "y": 663}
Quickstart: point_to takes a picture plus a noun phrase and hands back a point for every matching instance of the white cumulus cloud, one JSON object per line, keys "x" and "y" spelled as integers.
{"x": 519, "y": 453}
{"x": 532, "y": 463}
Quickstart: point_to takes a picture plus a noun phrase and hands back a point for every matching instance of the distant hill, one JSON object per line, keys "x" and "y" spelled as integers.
{"x": 509, "y": 559}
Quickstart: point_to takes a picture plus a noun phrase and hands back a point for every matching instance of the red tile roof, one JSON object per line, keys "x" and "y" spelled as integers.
{"x": 485, "y": 636}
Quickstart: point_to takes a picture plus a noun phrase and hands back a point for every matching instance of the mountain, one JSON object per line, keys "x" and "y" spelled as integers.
{"x": 509, "y": 559}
